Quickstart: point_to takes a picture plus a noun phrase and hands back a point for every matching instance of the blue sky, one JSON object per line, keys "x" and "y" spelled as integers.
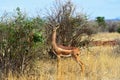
{"x": 107, "y": 8}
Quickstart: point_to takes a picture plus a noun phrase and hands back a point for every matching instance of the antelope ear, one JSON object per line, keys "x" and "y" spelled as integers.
{"x": 57, "y": 26}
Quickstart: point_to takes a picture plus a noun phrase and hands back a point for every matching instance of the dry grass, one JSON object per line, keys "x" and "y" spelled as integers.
{"x": 106, "y": 36}
{"x": 100, "y": 64}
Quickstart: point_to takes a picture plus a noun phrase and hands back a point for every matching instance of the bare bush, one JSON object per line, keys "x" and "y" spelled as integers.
{"x": 113, "y": 26}
{"x": 72, "y": 26}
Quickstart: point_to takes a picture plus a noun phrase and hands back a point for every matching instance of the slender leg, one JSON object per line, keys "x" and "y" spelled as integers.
{"x": 82, "y": 66}
{"x": 58, "y": 61}
{"x": 79, "y": 62}
{"x": 58, "y": 68}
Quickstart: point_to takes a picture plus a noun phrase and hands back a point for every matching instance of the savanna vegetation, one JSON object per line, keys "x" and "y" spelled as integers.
{"x": 25, "y": 45}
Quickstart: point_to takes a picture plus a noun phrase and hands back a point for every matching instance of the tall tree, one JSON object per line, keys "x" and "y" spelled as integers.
{"x": 101, "y": 23}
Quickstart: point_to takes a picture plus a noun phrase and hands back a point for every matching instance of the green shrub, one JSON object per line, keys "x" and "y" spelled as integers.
{"x": 118, "y": 30}
{"x": 18, "y": 42}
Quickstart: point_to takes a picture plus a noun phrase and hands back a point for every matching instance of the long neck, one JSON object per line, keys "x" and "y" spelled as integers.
{"x": 54, "y": 45}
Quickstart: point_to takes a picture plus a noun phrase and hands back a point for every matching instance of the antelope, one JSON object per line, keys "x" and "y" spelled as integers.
{"x": 65, "y": 51}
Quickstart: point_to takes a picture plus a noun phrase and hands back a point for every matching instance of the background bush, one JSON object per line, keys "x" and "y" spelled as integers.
{"x": 18, "y": 42}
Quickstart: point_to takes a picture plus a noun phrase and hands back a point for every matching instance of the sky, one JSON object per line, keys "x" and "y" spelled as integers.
{"x": 93, "y": 8}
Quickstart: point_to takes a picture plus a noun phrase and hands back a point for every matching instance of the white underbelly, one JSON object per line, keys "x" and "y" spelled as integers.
{"x": 65, "y": 55}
